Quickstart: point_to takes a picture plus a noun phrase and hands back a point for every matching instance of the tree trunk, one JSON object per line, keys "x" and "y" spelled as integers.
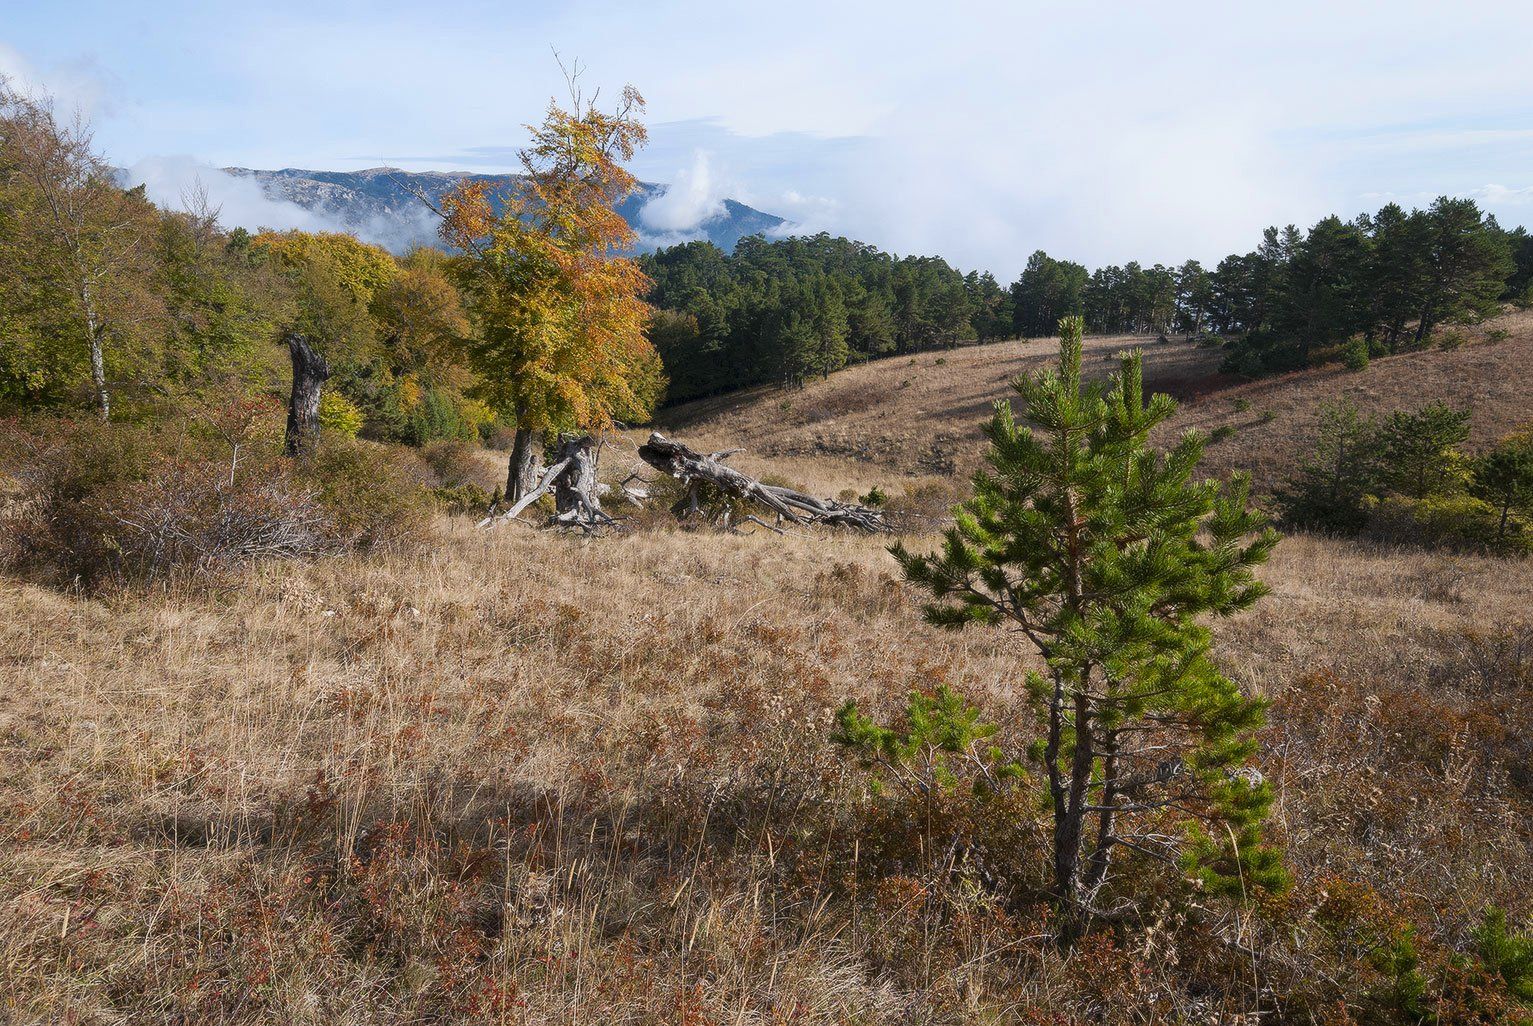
{"x": 577, "y": 498}
{"x": 93, "y": 333}
{"x": 310, "y": 371}
{"x": 1069, "y": 832}
{"x": 572, "y": 479}
{"x": 522, "y": 469}
{"x": 695, "y": 468}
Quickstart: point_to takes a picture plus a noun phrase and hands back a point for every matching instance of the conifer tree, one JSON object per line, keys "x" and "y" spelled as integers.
{"x": 1329, "y": 489}
{"x": 1418, "y": 452}
{"x": 1503, "y": 477}
{"x": 1106, "y": 556}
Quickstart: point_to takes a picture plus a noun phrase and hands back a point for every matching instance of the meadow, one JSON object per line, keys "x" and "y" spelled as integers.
{"x": 513, "y": 776}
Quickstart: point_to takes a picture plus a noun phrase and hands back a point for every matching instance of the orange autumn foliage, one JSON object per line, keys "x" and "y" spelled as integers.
{"x": 559, "y": 311}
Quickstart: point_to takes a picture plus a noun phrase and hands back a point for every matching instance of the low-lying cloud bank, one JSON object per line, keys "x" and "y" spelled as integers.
{"x": 173, "y": 183}
{"x": 693, "y": 197}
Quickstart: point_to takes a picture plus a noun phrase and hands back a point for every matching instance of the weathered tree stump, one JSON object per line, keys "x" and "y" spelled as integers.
{"x": 572, "y": 480}
{"x": 310, "y": 371}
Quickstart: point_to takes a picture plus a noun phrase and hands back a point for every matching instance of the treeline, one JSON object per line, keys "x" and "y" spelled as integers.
{"x": 788, "y": 310}
{"x": 783, "y": 311}
{"x": 1373, "y": 285}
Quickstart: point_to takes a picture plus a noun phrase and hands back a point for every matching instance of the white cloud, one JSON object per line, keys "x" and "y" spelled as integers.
{"x": 1500, "y": 195}
{"x": 170, "y": 182}
{"x": 77, "y": 86}
{"x": 1099, "y": 131}
{"x": 692, "y": 197}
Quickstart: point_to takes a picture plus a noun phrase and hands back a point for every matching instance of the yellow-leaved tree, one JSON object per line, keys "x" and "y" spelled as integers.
{"x": 558, "y": 311}
{"x": 334, "y": 277}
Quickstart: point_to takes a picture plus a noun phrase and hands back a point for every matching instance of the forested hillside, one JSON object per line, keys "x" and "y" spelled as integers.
{"x": 1345, "y": 290}
{"x": 789, "y": 310}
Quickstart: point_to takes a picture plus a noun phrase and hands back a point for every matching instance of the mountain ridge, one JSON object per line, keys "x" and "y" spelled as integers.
{"x": 382, "y": 204}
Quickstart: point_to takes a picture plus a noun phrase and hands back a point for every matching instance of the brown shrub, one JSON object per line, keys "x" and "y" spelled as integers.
{"x": 452, "y": 461}
{"x": 97, "y": 504}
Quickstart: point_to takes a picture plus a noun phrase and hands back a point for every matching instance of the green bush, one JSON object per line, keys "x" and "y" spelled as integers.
{"x": 1450, "y": 340}
{"x": 462, "y": 500}
{"x": 437, "y": 417}
{"x": 1335, "y": 477}
{"x": 339, "y": 415}
{"x": 1455, "y": 519}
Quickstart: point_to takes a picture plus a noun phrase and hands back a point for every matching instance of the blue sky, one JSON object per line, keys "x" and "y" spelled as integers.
{"x": 978, "y": 131}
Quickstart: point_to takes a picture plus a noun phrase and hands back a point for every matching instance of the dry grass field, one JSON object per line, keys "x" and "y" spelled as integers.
{"x": 917, "y": 416}
{"x": 512, "y": 777}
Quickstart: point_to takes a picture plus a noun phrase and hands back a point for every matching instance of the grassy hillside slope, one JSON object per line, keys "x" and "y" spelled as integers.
{"x": 918, "y": 416}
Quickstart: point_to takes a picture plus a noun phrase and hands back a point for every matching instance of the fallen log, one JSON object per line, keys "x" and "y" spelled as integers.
{"x": 695, "y": 469}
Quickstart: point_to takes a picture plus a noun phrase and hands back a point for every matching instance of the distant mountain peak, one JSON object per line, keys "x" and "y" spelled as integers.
{"x": 380, "y": 204}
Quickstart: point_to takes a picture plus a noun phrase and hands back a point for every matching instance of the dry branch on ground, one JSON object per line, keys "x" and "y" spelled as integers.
{"x": 694, "y": 470}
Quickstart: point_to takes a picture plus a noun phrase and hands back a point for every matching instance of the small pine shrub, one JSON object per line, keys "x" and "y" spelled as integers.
{"x": 1450, "y": 340}
{"x": 1087, "y": 541}
{"x": 1242, "y": 404}
{"x": 1354, "y": 354}
{"x": 1506, "y": 954}
{"x": 1222, "y": 433}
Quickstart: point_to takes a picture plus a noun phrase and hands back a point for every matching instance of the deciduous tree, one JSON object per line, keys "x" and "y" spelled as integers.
{"x": 558, "y": 307}
{"x": 76, "y": 248}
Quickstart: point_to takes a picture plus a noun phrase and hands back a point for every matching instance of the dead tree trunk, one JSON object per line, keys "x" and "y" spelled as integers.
{"x": 572, "y": 480}
{"x": 310, "y": 370}
{"x": 695, "y": 469}
{"x": 577, "y": 498}
{"x": 522, "y": 470}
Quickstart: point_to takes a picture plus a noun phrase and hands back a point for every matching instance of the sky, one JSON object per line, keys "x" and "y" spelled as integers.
{"x": 978, "y": 131}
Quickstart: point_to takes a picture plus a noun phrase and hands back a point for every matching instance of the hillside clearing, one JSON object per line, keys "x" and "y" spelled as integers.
{"x": 906, "y": 419}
